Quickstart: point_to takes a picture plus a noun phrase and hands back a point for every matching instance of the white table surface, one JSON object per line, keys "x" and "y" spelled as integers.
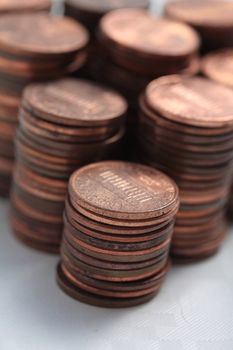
{"x": 193, "y": 311}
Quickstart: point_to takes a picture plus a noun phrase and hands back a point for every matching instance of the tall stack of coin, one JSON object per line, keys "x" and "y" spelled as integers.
{"x": 119, "y": 222}
{"x": 10, "y": 6}
{"x": 135, "y": 53}
{"x": 63, "y": 125}
{"x": 35, "y": 47}
{"x": 186, "y": 130}
{"x": 218, "y": 66}
{"x": 89, "y": 12}
{"x": 212, "y": 19}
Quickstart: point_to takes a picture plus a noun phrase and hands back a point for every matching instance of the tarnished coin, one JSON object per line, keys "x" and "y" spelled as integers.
{"x": 75, "y": 102}
{"x": 138, "y": 31}
{"x": 192, "y": 101}
{"x": 23, "y": 5}
{"x": 41, "y": 34}
{"x": 123, "y": 190}
{"x": 218, "y": 66}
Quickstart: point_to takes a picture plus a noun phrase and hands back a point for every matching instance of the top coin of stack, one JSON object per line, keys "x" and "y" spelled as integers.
{"x": 186, "y": 130}
{"x": 131, "y": 39}
{"x": 89, "y": 12}
{"x": 212, "y": 19}
{"x": 119, "y": 221}
{"x": 9, "y": 6}
{"x": 32, "y": 47}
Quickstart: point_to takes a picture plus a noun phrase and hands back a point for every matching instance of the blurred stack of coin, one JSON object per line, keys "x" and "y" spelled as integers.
{"x": 218, "y": 66}
{"x": 213, "y": 19}
{"x": 89, "y": 12}
{"x": 134, "y": 53}
{"x": 32, "y": 47}
{"x": 63, "y": 125}
{"x": 186, "y": 130}
{"x": 10, "y": 6}
{"x": 119, "y": 221}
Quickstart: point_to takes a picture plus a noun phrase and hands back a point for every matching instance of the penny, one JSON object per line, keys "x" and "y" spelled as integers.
{"x": 40, "y": 34}
{"x": 127, "y": 190}
{"x": 192, "y": 101}
{"x": 213, "y": 20}
{"x": 202, "y": 13}
{"x": 218, "y": 66}
{"x": 59, "y": 102}
{"x": 89, "y": 298}
{"x": 180, "y": 39}
{"x": 24, "y": 5}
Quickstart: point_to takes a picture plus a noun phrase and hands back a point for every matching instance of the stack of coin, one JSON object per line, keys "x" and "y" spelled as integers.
{"x": 186, "y": 130}
{"x": 218, "y": 66}
{"x": 10, "y": 6}
{"x": 134, "y": 53}
{"x": 89, "y": 12}
{"x": 35, "y": 47}
{"x": 212, "y": 19}
{"x": 119, "y": 221}
{"x": 63, "y": 125}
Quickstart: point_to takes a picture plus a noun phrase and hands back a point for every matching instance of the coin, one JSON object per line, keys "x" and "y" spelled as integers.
{"x": 213, "y": 20}
{"x": 218, "y": 66}
{"x": 129, "y": 190}
{"x": 60, "y": 101}
{"x": 24, "y": 5}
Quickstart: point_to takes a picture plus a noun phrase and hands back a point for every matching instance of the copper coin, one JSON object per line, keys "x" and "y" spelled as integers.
{"x": 24, "y": 5}
{"x": 191, "y": 101}
{"x": 72, "y": 254}
{"x": 153, "y": 281}
{"x": 59, "y": 102}
{"x": 199, "y": 13}
{"x": 114, "y": 245}
{"x": 128, "y": 191}
{"x": 129, "y": 28}
{"x": 40, "y": 34}
{"x": 218, "y": 66}
{"x": 106, "y": 293}
{"x": 89, "y": 298}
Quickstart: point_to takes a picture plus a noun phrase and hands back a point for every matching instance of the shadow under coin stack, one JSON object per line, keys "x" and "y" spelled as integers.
{"x": 186, "y": 130}
{"x": 212, "y": 19}
{"x": 10, "y": 6}
{"x": 134, "y": 53}
{"x": 218, "y": 66}
{"x": 119, "y": 222}
{"x": 63, "y": 125}
{"x": 35, "y": 47}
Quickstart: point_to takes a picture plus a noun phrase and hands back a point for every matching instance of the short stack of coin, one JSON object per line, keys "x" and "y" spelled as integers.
{"x": 135, "y": 53}
{"x": 119, "y": 221}
{"x": 10, "y": 6}
{"x": 89, "y": 12}
{"x": 186, "y": 130}
{"x": 35, "y": 47}
{"x": 218, "y": 66}
{"x": 63, "y": 125}
{"x": 212, "y": 19}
